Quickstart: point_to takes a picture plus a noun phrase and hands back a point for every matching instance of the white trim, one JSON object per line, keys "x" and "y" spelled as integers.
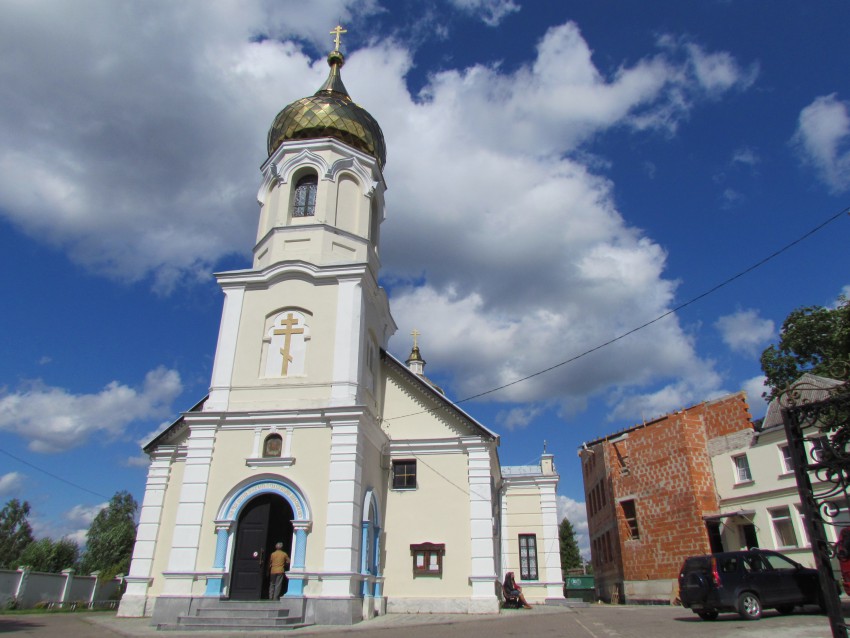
{"x": 225, "y": 351}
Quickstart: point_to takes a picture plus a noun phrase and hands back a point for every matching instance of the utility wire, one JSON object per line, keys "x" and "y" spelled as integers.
{"x": 605, "y": 344}
{"x": 623, "y": 335}
{"x": 50, "y": 474}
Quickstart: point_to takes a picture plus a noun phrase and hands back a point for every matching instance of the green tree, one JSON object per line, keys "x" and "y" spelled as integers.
{"x": 44, "y": 555}
{"x": 813, "y": 339}
{"x": 570, "y": 556}
{"x": 15, "y": 533}
{"x": 109, "y": 541}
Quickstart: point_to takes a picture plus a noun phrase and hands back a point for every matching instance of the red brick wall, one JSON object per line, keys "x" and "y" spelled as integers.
{"x": 670, "y": 478}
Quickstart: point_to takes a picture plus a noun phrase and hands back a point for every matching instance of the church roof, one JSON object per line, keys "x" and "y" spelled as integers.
{"x": 330, "y": 112}
{"x": 172, "y": 429}
{"x": 436, "y": 394}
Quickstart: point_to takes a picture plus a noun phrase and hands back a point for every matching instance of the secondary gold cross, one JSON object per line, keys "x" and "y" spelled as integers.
{"x": 287, "y": 330}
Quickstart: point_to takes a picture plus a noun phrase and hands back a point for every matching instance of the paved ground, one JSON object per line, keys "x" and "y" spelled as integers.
{"x": 596, "y": 621}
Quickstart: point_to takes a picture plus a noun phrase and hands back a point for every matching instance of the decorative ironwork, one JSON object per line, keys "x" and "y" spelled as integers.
{"x": 816, "y": 415}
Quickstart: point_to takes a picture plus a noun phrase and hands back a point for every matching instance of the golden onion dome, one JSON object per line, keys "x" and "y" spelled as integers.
{"x": 330, "y": 112}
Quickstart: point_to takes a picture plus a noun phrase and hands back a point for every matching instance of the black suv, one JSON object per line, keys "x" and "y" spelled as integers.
{"x": 746, "y": 582}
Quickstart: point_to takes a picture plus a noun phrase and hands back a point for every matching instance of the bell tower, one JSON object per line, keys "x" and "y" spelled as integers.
{"x": 304, "y": 326}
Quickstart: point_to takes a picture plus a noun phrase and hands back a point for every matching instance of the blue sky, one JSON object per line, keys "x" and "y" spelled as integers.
{"x": 559, "y": 174}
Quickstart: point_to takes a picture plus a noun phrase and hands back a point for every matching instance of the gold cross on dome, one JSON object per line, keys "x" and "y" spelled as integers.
{"x": 337, "y": 32}
{"x": 415, "y": 334}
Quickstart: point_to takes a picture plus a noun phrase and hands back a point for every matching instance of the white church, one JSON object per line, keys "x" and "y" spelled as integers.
{"x": 387, "y": 496}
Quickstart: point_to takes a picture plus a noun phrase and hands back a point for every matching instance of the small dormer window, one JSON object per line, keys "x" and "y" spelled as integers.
{"x": 304, "y": 204}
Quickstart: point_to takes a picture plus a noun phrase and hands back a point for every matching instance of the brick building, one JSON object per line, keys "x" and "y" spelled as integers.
{"x": 648, "y": 489}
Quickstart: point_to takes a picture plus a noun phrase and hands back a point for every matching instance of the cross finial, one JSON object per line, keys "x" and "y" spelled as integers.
{"x": 337, "y": 31}
{"x": 415, "y": 334}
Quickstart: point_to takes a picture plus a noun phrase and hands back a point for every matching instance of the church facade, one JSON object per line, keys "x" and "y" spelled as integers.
{"x": 386, "y": 495}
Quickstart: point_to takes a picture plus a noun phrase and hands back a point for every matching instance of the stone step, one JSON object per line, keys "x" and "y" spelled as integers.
{"x": 215, "y": 621}
{"x": 192, "y": 626}
{"x": 241, "y": 613}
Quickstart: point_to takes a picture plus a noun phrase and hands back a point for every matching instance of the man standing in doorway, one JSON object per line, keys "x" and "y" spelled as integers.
{"x": 277, "y": 566}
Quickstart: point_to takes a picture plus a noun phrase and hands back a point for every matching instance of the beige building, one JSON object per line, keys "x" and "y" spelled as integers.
{"x": 386, "y": 495}
{"x": 757, "y": 491}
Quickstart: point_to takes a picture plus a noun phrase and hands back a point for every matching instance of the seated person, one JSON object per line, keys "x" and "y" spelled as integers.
{"x": 513, "y": 589}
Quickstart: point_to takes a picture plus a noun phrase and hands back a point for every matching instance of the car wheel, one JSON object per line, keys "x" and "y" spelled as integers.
{"x": 785, "y": 609}
{"x": 749, "y": 606}
{"x": 707, "y": 615}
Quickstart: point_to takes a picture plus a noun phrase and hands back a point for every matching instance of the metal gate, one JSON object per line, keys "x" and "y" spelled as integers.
{"x": 817, "y": 425}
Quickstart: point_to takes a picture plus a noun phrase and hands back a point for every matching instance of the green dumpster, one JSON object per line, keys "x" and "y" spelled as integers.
{"x": 580, "y": 587}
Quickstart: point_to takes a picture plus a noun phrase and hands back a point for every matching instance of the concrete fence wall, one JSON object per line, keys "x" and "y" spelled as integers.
{"x": 24, "y": 589}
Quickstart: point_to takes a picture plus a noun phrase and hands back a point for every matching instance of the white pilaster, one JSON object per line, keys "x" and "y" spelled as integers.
{"x": 482, "y": 543}
{"x": 225, "y": 352}
{"x": 342, "y": 531}
{"x": 551, "y": 544}
{"x": 133, "y": 602}
{"x": 190, "y": 509}
{"x": 347, "y": 342}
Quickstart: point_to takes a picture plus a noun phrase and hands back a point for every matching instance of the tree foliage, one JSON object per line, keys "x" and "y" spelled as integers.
{"x": 109, "y": 541}
{"x": 813, "y": 339}
{"x": 45, "y": 555}
{"x": 570, "y": 555}
{"x": 15, "y": 533}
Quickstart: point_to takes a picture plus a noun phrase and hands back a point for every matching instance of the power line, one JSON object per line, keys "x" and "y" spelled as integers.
{"x": 623, "y": 335}
{"x": 50, "y": 474}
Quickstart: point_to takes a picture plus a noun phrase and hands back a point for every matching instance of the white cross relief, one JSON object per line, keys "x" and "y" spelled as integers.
{"x": 287, "y": 348}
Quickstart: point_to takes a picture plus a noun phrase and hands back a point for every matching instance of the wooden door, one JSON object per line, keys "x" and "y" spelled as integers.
{"x": 249, "y": 579}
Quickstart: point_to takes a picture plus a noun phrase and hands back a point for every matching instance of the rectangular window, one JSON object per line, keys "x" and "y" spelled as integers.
{"x": 742, "y": 469}
{"x": 428, "y": 559}
{"x": 404, "y": 475}
{"x": 803, "y": 533}
{"x": 528, "y": 556}
{"x": 787, "y": 465}
{"x": 818, "y": 447}
{"x": 783, "y": 527}
{"x": 630, "y": 514}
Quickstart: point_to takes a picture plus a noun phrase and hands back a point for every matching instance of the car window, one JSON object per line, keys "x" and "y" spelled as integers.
{"x": 729, "y": 565}
{"x": 775, "y": 561}
{"x": 753, "y": 563}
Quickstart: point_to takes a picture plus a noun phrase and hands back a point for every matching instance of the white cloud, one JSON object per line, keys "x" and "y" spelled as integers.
{"x": 518, "y": 417}
{"x": 144, "y": 144}
{"x": 719, "y": 72}
{"x": 754, "y": 388}
{"x": 823, "y": 139}
{"x": 745, "y": 156}
{"x": 11, "y": 483}
{"x": 83, "y": 515}
{"x": 492, "y": 12}
{"x": 576, "y": 513}
{"x": 745, "y": 331}
{"x": 54, "y": 419}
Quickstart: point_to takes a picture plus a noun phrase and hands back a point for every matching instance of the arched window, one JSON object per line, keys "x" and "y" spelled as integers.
{"x": 272, "y": 446}
{"x": 304, "y": 204}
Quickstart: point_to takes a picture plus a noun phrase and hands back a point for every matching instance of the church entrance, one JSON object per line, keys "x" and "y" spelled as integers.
{"x": 264, "y": 521}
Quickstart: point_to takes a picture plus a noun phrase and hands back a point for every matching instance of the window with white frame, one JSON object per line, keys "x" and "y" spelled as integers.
{"x": 742, "y": 469}
{"x": 787, "y": 464}
{"x": 803, "y": 533}
{"x": 819, "y": 446}
{"x": 528, "y": 556}
{"x": 783, "y": 527}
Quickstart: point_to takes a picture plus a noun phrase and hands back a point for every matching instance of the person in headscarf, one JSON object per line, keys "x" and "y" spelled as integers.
{"x": 513, "y": 589}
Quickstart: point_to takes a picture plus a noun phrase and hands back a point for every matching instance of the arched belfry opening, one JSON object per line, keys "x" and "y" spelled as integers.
{"x": 263, "y": 521}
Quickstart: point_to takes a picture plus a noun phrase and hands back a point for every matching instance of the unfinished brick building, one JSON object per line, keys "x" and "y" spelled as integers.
{"x": 647, "y": 490}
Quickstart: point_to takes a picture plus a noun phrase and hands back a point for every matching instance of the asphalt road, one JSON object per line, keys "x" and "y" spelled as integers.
{"x": 596, "y": 621}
